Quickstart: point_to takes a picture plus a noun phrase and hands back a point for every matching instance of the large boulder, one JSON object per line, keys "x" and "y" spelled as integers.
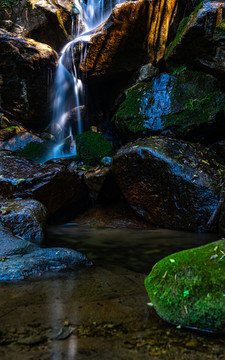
{"x": 49, "y": 22}
{"x": 200, "y": 40}
{"x": 24, "y": 80}
{"x": 168, "y": 182}
{"x": 25, "y": 218}
{"x": 187, "y": 288}
{"x": 135, "y": 33}
{"x": 188, "y": 103}
{"x": 54, "y": 185}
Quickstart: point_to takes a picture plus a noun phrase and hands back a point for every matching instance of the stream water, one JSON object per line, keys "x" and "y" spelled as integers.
{"x": 101, "y": 312}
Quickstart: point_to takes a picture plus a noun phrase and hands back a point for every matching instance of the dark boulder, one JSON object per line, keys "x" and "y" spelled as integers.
{"x": 24, "y": 80}
{"x": 187, "y": 103}
{"x": 54, "y": 185}
{"x": 168, "y": 182}
{"x": 200, "y": 40}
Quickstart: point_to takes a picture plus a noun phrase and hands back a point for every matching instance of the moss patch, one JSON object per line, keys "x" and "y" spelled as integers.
{"x": 188, "y": 288}
{"x": 181, "y": 29}
{"x": 35, "y": 151}
{"x": 92, "y": 147}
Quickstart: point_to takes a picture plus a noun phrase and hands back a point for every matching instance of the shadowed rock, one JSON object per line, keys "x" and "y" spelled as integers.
{"x": 169, "y": 182}
{"x": 24, "y": 79}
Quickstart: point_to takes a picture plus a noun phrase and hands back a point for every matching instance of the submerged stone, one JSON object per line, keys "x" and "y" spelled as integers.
{"x": 187, "y": 288}
{"x": 169, "y": 183}
{"x": 187, "y": 103}
{"x": 41, "y": 261}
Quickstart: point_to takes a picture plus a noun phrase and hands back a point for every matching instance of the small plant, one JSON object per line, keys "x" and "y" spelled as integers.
{"x": 7, "y": 3}
{"x": 179, "y": 70}
{"x": 194, "y": 104}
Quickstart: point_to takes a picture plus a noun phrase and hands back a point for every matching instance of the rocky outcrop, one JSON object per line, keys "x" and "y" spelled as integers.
{"x": 25, "y": 218}
{"x": 49, "y": 22}
{"x": 187, "y": 103}
{"x": 25, "y": 68}
{"x": 168, "y": 182}
{"x": 54, "y": 185}
{"x": 200, "y": 40}
{"x": 135, "y": 33}
{"x": 187, "y": 288}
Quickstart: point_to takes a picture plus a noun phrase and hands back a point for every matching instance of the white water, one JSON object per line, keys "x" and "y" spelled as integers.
{"x": 68, "y": 89}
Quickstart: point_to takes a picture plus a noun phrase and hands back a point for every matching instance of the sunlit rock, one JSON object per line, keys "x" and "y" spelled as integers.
{"x": 25, "y": 67}
{"x": 169, "y": 183}
{"x": 190, "y": 104}
{"x": 54, "y": 185}
{"x": 41, "y": 20}
{"x": 135, "y": 33}
{"x": 200, "y": 40}
{"x": 25, "y": 218}
{"x": 187, "y": 288}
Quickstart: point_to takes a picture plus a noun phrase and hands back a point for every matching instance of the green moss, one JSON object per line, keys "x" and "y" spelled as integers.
{"x": 187, "y": 288}
{"x": 92, "y": 147}
{"x": 221, "y": 28}
{"x": 130, "y": 111}
{"x": 34, "y": 151}
{"x": 181, "y": 29}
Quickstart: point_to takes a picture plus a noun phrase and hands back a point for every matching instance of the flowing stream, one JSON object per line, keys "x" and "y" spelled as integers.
{"x": 69, "y": 90}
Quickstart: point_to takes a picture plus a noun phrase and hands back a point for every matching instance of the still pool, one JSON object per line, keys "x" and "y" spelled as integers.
{"x": 101, "y": 312}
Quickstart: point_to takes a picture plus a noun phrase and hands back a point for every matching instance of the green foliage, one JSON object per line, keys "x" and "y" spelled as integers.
{"x": 34, "y": 151}
{"x": 8, "y": 3}
{"x": 92, "y": 147}
{"x": 195, "y": 104}
{"x": 179, "y": 70}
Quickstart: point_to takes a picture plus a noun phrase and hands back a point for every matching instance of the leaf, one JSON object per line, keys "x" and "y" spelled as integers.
{"x": 172, "y": 260}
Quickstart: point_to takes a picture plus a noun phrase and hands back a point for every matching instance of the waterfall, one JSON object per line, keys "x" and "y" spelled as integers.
{"x": 68, "y": 89}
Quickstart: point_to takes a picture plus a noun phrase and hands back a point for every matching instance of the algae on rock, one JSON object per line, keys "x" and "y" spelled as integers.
{"x": 187, "y": 288}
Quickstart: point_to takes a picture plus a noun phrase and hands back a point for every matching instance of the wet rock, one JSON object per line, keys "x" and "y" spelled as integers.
{"x": 200, "y": 40}
{"x": 25, "y": 218}
{"x": 12, "y": 245}
{"x": 25, "y": 68}
{"x": 54, "y": 185}
{"x": 43, "y": 21}
{"x": 145, "y": 73}
{"x": 190, "y": 104}
{"x": 41, "y": 261}
{"x": 168, "y": 182}
{"x": 101, "y": 184}
{"x": 187, "y": 288}
{"x": 19, "y": 140}
{"x": 135, "y": 33}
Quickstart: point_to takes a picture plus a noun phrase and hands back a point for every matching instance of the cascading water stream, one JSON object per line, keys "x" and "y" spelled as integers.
{"x": 68, "y": 90}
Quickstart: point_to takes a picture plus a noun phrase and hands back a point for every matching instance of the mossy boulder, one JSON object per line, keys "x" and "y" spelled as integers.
{"x": 92, "y": 147}
{"x": 187, "y": 288}
{"x": 188, "y": 103}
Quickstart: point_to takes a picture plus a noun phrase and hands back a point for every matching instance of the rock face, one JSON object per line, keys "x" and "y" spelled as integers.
{"x": 188, "y": 103}
{"x": 54, "y": 185}
{"x": 135, "y": 33}
{"x": 187, "y": 288}
{"x": 25, "y": 68}
{"x": 49, "y": 22}
{"x": 25, "y": 218}
{"x": 200, "y": 40}
{"x": 168, "y": 182}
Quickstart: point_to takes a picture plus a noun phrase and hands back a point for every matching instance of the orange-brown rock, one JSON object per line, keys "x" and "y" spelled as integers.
{"x": 135, "y": 33}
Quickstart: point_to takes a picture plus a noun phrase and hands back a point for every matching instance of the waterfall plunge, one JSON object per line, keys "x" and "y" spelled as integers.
{"x": 68, "y": 91}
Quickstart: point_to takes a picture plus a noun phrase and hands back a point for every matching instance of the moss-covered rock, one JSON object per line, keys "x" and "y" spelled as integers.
{"x": 92, "y": 147}
{"x": 187, "y": 288}
{"x": 188, "y": 103}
